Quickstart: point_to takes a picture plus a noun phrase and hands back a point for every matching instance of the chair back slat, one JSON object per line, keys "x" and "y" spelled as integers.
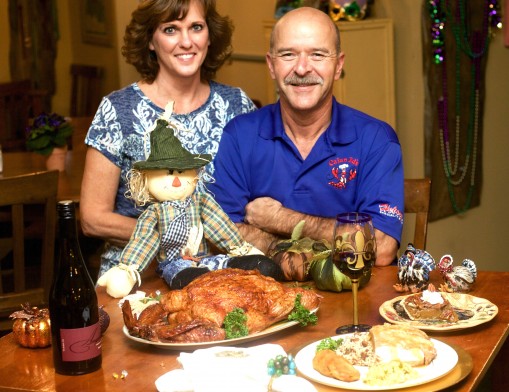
{"x": 417, "y": 200}
{"x": 85, "y": 89}
{"x": 19, "y": 102}
{"x": 21, "y": 194}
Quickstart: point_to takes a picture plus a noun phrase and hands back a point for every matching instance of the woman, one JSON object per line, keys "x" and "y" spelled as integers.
{"x": 177, "y": 46}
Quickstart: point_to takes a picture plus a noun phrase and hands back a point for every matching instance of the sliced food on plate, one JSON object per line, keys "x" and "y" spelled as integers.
{"x": 429, "y": 305}
{"x": 219, "y": 305}
{"x": 436, "y": 310}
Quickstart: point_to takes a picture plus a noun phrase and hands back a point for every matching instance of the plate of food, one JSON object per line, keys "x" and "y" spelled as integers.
{"x": 388, "y": 357}
{"x": 438, "y": 311}
{"x": 223, "y": 307}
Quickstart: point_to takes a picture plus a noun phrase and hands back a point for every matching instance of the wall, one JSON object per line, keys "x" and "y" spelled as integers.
{"x": 123, "y": 8}
{"x": 89, "y": 54}
{"x": 478, "y": 234}
{"x": 71, "y": 49}
{"x": 248, "y": 43}
{"x": 61, "y": 100}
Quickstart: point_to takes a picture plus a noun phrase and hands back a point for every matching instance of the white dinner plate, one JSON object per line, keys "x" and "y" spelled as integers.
{"x": 194, "y": 346}
{"x": 471, "y": 310}
{"x": 445, "y": 361}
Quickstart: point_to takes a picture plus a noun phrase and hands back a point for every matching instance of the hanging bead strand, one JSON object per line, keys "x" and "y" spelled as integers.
{"x": 474, "y": 46}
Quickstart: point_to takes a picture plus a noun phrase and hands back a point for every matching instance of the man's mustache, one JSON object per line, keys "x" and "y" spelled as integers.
{"x": 295, "y": 80}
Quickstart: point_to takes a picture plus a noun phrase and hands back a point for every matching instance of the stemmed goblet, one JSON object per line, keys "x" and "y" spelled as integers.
{"x": 354, "y": 253}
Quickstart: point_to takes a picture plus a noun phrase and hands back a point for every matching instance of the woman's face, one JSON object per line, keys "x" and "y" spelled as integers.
{"x": 167, "y": 184}
{"x": 181, "y": 45}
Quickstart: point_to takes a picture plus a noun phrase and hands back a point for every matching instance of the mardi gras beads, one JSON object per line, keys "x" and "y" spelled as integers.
{"x": 281, "y": 365}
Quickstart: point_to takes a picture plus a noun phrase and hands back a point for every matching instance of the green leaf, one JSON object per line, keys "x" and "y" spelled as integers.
{"x": 297, "y": 230}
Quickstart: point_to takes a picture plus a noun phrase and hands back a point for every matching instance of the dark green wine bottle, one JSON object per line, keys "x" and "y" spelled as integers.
{"x": 74, "y": 312}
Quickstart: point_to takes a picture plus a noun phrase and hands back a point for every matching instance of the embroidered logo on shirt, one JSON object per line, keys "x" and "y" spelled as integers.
{"x": 386, "y": 209}
{"x": 343, "y": 171}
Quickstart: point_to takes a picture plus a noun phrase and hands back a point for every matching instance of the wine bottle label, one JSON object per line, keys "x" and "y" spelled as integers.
{"x": 80, "y": 344}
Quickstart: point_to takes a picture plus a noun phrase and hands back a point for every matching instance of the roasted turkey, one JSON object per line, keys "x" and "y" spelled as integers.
{"x": 196, "y": 313}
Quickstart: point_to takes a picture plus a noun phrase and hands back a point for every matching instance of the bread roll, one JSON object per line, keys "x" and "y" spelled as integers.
{"x": 404, "y": 343}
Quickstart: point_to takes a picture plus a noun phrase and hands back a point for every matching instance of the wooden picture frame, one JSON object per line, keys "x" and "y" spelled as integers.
{"x": 97, "y": 22}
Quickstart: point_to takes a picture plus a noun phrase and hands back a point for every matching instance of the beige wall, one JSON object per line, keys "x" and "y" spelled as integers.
{"x": 478, "y": 234}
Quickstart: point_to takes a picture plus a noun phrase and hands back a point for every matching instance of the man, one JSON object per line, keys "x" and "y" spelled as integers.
{"x": 307, "y": 156}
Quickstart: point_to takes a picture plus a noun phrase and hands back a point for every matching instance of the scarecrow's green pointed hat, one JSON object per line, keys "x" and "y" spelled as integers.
{"x": 166, "y": 152}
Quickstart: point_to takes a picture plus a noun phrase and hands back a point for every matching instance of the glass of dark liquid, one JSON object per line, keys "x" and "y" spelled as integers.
{"x": 354, "y": 254}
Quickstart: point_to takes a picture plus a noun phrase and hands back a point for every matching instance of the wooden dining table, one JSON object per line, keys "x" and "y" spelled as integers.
{"x": 481, "y": 349}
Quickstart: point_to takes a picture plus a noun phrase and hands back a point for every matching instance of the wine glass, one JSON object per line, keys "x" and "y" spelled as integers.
{"x": 354, "y": 253}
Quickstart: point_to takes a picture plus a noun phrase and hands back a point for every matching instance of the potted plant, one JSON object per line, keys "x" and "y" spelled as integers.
{"x": 48, "y": 136}
{"x": 48, "y": 131}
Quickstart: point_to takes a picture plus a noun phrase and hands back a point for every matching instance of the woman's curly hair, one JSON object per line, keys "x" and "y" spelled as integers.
{"x": 151, "y": 13}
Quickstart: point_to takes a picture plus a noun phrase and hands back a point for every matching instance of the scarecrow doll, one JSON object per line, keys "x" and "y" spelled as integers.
{"x": 179, "y": 224}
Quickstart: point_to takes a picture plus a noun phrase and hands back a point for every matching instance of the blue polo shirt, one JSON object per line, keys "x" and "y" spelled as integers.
{"x": 355, "y": 165}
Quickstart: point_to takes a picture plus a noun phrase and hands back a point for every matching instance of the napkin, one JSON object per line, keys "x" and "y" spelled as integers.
{"x": 228, "y": 369}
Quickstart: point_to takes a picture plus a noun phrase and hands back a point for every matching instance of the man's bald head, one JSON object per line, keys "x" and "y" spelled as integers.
{"x": 306, "y": 15}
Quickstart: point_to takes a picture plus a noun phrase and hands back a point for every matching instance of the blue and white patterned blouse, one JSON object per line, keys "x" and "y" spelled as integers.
{"x": 122, "y": 123}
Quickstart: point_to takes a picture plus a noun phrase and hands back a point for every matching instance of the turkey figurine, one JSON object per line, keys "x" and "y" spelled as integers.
{"x": 458, "y": 278}
{"x": 414, "y": 268}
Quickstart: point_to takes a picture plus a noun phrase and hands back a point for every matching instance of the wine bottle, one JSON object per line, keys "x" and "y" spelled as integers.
{"x": 74, "y": 312}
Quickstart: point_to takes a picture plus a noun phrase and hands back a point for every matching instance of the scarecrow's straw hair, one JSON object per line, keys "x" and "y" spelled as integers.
{"x": 137, "y": 188}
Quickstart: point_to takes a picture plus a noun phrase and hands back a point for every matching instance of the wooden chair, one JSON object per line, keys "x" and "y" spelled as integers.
{"x": 21, "y": 193}
{"x": 417, "y": 198}
{"x": 85, "y": 89}
{"x": 19, "y": 102}
{"x": 80, "y": 126}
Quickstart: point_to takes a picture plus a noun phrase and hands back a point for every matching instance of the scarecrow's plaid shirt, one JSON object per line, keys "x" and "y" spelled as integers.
{"x": 218, "y": 229}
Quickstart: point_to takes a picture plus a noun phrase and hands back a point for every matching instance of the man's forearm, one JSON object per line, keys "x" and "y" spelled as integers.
{"x": 319, "y": 228}
{"x": 257, "y": 237}
{"x": 266, "y": 216}
{"x": 283, "y": 223}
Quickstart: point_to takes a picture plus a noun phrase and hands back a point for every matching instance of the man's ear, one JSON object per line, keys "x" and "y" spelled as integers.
{"x": 339, "y": 66}
{"x": 268, "y": 59}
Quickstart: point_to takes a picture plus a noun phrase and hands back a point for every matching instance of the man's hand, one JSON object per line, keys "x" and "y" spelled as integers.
{"x": 262, "y": 213}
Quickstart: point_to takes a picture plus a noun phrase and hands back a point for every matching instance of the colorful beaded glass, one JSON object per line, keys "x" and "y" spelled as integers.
{"x": 281, "y": 365}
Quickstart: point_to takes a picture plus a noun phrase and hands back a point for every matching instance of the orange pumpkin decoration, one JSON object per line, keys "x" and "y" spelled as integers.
{"x": 32, "y": 327}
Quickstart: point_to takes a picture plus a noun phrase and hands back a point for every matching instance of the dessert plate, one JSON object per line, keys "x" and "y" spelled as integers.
{"x": 471, "y": 311}
{"x": 445, "y": 361}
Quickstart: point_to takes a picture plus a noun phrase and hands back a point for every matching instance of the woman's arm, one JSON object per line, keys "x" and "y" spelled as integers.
{"x": 97, "y": 202}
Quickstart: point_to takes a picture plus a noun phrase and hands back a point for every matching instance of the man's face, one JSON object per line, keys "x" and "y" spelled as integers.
{"x": 304, "y": 62}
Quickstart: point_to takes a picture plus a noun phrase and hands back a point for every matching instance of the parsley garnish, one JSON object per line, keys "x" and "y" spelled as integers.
{"x": 302, "y": 315}
{"x": 235, "y": 324}
{"x": 329, "y": 344}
